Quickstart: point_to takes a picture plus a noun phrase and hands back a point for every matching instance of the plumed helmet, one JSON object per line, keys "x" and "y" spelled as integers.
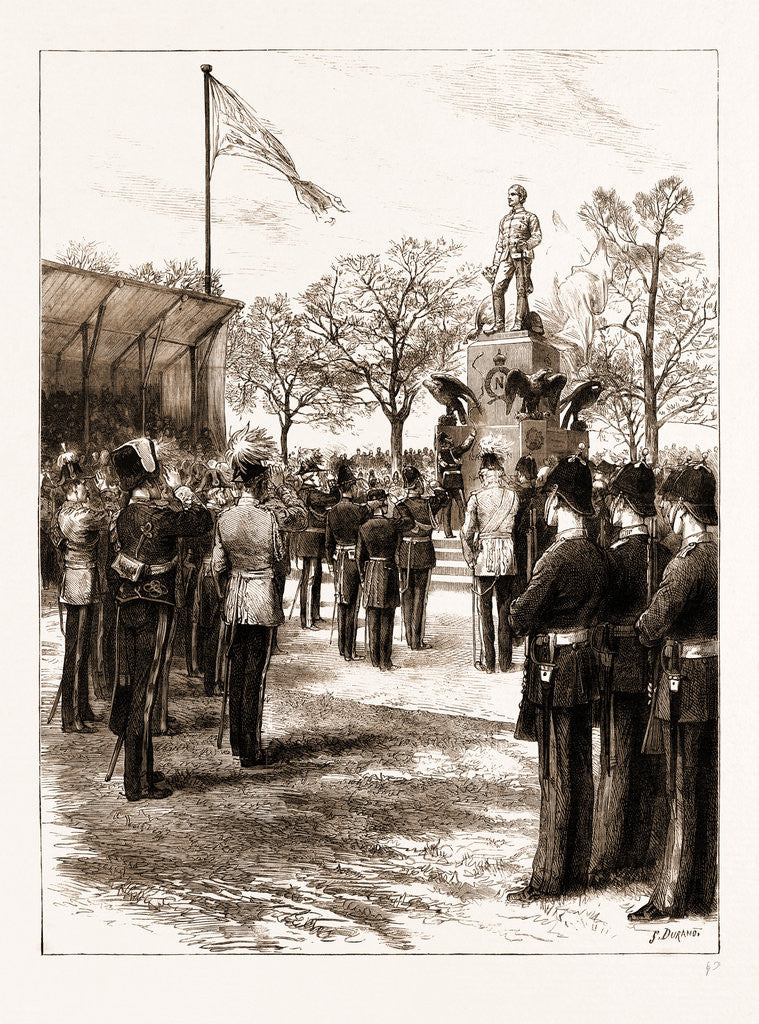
{"x": 70, "y": 469}
{"x": 573, "y": 482}
{"x": 411, "y": 476}
{"x": 527, "y": 466}
{"x": 636, "y": 482}
{"x": 696, "y": 487}
{"x": 135, "y": 462}
{"x": 249, "y": 453}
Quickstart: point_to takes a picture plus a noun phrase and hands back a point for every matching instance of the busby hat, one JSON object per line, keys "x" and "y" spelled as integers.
{"x": 696, "y": 487}
{"x": 70, "y": 469}
{"x": 248, "y": 454}
{"x": 346, "y": 478}
{"x": 572, "y": 481}
{"x": 636, "y": 482}
{"x": 376, "y": 496}
{"x": 411, "y": 476}
{"x": 135, "y": 462}
{"x": 527, "y": 466}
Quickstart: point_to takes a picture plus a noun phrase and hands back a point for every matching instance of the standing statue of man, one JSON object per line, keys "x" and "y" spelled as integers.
{"x": 518, "y": 235}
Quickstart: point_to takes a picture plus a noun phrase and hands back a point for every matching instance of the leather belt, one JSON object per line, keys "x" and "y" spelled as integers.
{"x": 416, "y": 540}
{"x": 253, "y": 574}
{"x": 314, "y": 529}
{"x": 159, "y": 568}
{"x": 622, "y": 629}
{"x": 708, "y": 648}
{"x": 379, "y": 558}
{"x": 574, "y": 636}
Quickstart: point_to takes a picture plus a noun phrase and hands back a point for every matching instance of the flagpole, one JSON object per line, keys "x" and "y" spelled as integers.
{"x": 207, "y": 69}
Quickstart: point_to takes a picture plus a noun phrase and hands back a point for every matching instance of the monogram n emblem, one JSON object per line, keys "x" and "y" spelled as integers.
{"x": 495, "y": 379}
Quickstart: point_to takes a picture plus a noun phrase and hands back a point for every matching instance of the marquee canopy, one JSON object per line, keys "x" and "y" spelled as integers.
{"x": 121, "y": 324}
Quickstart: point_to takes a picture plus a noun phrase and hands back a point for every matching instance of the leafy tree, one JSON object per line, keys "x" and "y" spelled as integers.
{"x": 178, "y": 274}
{"x": 271, "y": 359}
{"x": 390, "y": 320}
{"x": 88, "y": 256}
{"x": 658, "y": 302}
{"x": 684, "y": 366}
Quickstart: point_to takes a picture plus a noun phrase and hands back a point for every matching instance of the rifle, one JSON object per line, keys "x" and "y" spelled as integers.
{"x": 652, "y": 738}
{"x": 229, "y": 631}
{"x": 532, "y": 540}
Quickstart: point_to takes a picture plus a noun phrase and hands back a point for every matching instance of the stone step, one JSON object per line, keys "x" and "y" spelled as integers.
{"x": 452, "y": 569}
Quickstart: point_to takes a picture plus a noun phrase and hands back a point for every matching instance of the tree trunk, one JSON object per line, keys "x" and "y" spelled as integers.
{"x": 649, "y": 375}
{"x": 396, "y": 444}
{"x": 283, "y": 432}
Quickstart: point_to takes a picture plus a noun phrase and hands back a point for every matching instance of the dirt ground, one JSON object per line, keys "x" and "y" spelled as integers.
{"x": 394, "y": 813}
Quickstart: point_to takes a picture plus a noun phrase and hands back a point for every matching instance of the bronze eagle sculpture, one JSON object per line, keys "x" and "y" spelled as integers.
{"x": 541, "y": 386}
{"x": 579, "y": 398}
{"x": 450, "y": 391}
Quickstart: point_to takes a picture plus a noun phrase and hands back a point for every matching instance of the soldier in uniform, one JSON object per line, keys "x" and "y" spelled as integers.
{"x": 487, "y": 540}
{"x": 343, "y": 522}
{"x": 247, "y": 548}
{"x": 601, "y": 527}
{"x": 416, "y": 558}
{"x": 683, "y": 616}
{"x": 292, "y": 519}
{"x": 449, "y": 458}
{"x": 529, "y": 524}
{"x": 75, "y": 532}
{"x": 518, "y": 236}
{"x": 558, "y": 610}
{"x": 310, "y": 543}
{"x": 144, "y": 542}
{"x": 626, "y": 796}
{"x": 376, "y": 554}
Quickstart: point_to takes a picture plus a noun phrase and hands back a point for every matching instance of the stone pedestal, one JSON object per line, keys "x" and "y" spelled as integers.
{"x": 489, "y": 359}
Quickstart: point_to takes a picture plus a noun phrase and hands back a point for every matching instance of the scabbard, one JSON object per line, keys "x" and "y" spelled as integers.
{"x": 606, "y": 727}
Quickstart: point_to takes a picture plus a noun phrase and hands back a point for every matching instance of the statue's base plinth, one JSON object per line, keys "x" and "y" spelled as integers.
{"x": 537, "y": 438}
{"x": 489, "y": 359}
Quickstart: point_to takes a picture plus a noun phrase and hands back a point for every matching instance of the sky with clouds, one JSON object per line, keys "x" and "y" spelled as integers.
{"x": 419, "y": 143}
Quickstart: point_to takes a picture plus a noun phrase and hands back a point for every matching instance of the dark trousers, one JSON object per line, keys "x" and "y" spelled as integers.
{"x": 627, "y": 799}
{"x": 454, "y": 497}
{"x": 75, "y": 697}
{"x": 249, "y": 661}
{"x": 502, "y": 587}
{"x": 687, "y": 870}
{"x": 209, "y": 639}
{"x": 145, "y": 628}
{"x": 311, "y": 591}
{"x": 347, "y": 624}
{"x": 566, "y": 798}
{"x": 379, "y": 626}
{"x": 413, "y": 601}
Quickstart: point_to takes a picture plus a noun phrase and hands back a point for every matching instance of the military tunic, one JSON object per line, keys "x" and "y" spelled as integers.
{"x": 629, "y": 796}
{"x": 451, "y": 479}
{"x": 343, "y": 522}
{"x": 563, "y": 600}
{"x": 76, "y": 531}
{"x": 309, "y": 545}
{"x": 142, "y": 578}
{"x": 247, "y": 549}
{"x": 376, "y": 554}
{"x": 416, "y": 560}
{"x": 487, "y": 539}
{"x": 684, "y": 615}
